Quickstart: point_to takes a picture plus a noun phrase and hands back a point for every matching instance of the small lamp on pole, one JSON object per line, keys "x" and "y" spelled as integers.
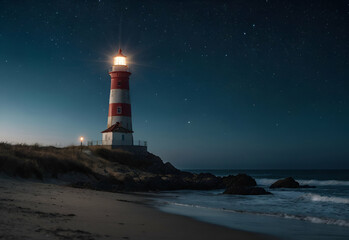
{"x": 81, "y": 140}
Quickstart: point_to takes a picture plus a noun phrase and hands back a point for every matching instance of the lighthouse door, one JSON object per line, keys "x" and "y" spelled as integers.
{"x": 123, "y": 137}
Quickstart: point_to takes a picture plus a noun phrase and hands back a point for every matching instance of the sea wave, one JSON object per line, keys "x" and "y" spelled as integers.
{"x": 338, "y": 222}
{"x": 312, "y": 182}
{"x": 312, "y": 219}
{"x": 319, "y": 198}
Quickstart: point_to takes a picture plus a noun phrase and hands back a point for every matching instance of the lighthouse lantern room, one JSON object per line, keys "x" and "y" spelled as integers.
{"x": 119, "y": 131}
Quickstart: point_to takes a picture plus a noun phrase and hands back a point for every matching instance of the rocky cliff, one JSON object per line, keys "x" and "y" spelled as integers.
{"x": 111, "y": 170}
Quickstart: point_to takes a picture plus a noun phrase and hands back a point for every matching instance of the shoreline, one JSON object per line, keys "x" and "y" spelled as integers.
{"x": 36, "y": 210}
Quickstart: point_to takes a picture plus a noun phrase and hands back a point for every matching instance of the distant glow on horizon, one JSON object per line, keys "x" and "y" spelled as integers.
{"x": 120, "y": 60}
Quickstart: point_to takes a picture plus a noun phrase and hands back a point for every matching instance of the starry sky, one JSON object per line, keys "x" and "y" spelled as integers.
{"x": 215, "y": 84}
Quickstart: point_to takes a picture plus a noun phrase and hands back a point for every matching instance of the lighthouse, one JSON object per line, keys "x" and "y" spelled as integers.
{"x": 119, "y": 128}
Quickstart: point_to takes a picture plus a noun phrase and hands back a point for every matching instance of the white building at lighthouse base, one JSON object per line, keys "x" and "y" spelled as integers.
{"x": 118, "y": 136}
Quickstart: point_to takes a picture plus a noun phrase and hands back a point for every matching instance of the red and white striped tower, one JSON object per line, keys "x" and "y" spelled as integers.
{"x": 119, "y": 130}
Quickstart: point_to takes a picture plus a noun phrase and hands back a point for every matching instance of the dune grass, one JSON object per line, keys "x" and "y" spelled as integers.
{"x": 28, "y": 161}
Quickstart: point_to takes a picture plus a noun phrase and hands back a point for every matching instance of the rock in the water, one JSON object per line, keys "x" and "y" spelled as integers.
{"x": 306, "y": 186}
{"x": 242, "y": 184}
{"x": 240, "y": 190}
{"x": 206, "y": 181}
{"x": 285, "y": 183}
{"x": 241, "y": 180}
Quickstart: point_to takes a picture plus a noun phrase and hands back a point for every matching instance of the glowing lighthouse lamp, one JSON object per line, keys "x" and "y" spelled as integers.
{"x": 119, "y": 131}
{"x": 120, "y": 59}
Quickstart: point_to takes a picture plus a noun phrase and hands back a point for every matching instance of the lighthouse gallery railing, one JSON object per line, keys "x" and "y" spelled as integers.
{"x": 104, "y": 142}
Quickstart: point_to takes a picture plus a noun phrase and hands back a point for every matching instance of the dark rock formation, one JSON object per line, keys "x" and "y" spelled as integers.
{"x": 181, "y": 180}
{"x": 288, "y": 183}
{"x": 306, "y": 186}
{"x": 285, "y": 183}
{"x": 242, "y": 184}
{"x": 241, "y": 190}
{"x": 206, "y": 181}
{"x": 241, "y": 180}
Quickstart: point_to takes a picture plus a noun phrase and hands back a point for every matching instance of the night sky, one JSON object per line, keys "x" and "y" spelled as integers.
{"x": 214, "y": 84}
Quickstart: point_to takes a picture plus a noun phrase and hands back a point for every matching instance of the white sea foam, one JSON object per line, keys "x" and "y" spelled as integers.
{"x": 312, "y": 182}
{"x": 324, "y": 182}
{"x": 318, "y": 220}
{"x": 338, "y": 222}
{"x": 319, "y": 198}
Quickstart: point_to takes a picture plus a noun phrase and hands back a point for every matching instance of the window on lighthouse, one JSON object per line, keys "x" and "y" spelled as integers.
{"x": 119, "y": 110}
{"x": 120, "y": 61}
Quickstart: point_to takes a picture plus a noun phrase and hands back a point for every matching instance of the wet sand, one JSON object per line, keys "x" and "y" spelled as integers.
{"x": 34, "y": 210}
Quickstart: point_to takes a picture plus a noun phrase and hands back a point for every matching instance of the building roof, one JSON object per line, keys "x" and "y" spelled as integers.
{"x": 120, "y": 53}
{"x": 117, "y": 128}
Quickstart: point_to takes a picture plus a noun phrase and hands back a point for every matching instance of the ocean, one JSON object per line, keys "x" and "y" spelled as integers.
{"x": 308, "y": 213}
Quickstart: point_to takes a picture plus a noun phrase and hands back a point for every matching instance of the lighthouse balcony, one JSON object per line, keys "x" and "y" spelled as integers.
{"x": 106, "y": 142}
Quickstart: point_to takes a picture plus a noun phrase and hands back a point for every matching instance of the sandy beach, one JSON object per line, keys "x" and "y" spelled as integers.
{"x": 35, "y": 210}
